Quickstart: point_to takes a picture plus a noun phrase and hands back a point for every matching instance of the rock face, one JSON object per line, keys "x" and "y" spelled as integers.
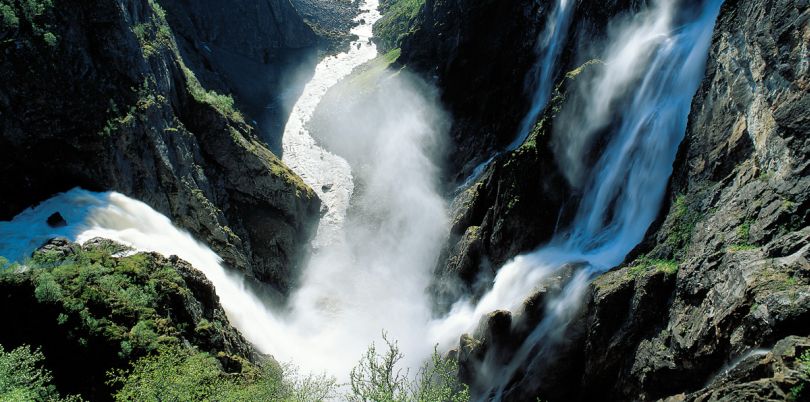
{"x": 725, "y": 271}
{"x": 479, "y": 53}
{"x": 98, "y": 96}
{"x": 95, "y": 304}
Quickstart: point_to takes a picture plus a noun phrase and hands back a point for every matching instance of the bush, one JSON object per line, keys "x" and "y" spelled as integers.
{"x": 24, "y": 378}
{"x": 176, "y": 374}
{"x": 377, "y": 378}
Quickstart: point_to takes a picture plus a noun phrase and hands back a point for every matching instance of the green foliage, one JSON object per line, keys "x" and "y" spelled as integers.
{"x": 8, "y": 17}
{"x": 23, "y": 377}
{"x": 683, "y": 217}
{"x": 38, "y": 13}
{"x": 743, "y": 238}
{"x": 177, "y": 374}
{"x": 119, "y": 299}
{"x": 645, "y": 264}
{"x": 397, "y": 21}
{"x": 222, "y": 103}
{"x": 798, "y": 391}
{"x": 378, "y": 378}
{"x": 49, "y": 39}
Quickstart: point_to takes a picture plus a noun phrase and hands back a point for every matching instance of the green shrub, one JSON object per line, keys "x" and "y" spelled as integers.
{"x": 9, "y": 17}
{"x": 23, "y": 377}
{"x": 378, "y": 378}
{"x": 683, "y": 217}
{"x": 222, "y": 103}
{"x": 176, "y": 374}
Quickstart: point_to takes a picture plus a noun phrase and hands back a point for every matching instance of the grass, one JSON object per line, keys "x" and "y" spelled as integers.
{"x": 683, "y": 218}
{"x": 397, "y": 21}
{"x": 222, "y": 103}
{"x": 743, "y": 238}
{"x": 643, "y": 264}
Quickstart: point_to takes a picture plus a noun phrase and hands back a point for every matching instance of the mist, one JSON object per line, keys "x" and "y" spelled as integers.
{"x": 374, "y": 276}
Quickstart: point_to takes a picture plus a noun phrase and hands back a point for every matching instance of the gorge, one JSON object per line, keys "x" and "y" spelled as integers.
{"x": 561, "y": 200}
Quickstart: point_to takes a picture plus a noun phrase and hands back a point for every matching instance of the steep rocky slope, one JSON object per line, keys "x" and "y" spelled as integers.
{"x": 725, "y": 271}
{"x": 91, "y": 310}
{"x": 97, "y": 95}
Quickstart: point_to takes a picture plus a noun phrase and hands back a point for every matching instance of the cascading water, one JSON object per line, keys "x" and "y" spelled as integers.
{"x": 540, "y": 79}
{"x": 656, "y": 63}
{"x": 117, "y": 217}
{"x": 548, "y": 48}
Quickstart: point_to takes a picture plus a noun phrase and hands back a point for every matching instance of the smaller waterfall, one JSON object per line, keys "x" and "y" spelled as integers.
{"x": 539, "y": 80}
{"x": 549, "y": 47}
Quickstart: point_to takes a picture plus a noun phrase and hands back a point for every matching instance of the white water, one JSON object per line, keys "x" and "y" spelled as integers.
{"x": 655, "y": 63}
{"x": 328, "y": 174}
{"x": 117, "y": 217}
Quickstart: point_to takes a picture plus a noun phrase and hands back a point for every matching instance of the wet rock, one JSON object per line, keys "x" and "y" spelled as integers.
{"x": 56, "y": 220}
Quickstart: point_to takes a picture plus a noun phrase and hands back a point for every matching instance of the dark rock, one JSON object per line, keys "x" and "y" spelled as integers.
{"x": 113, "y": 106}
{"x": 56, "y": 220}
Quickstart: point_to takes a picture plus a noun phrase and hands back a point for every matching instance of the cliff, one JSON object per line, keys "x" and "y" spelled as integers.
{"x": 714, "y": 304}
{"x": 100, "y": 95}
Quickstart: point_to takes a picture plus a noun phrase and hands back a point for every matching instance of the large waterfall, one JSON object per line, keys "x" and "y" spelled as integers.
{"x": 653, "y": 66}
{"x": 372, "y": 263}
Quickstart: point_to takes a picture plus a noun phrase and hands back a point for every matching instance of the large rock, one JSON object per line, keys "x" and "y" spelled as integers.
{"x": 96, "y": 95}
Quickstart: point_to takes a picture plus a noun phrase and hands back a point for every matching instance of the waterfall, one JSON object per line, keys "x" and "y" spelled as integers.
{"x": 114, "y": 216}
{"x": 370, "y": 268}
{"x": 655, "y": 63}
{"x": 539, "y": 80}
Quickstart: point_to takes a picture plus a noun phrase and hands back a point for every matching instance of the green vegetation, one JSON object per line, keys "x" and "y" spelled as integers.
{"x": 39, "y": 14}
{"x": 798, "y": 391}
{"x": 119, "y": 299}
{"x": 9, "y": 17}
{"x": 222, "y": 103}
{"x": 644, "y": 264}
{"x": 154, "y": 35}
{"x": 397, "y": 21}
{"x": 377, "y": 378}
{"x": 23, "y": 377}
{"x": 683, "y": 217}
{"x": 177, "y": 374}
{"x": 743, "y": 238}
